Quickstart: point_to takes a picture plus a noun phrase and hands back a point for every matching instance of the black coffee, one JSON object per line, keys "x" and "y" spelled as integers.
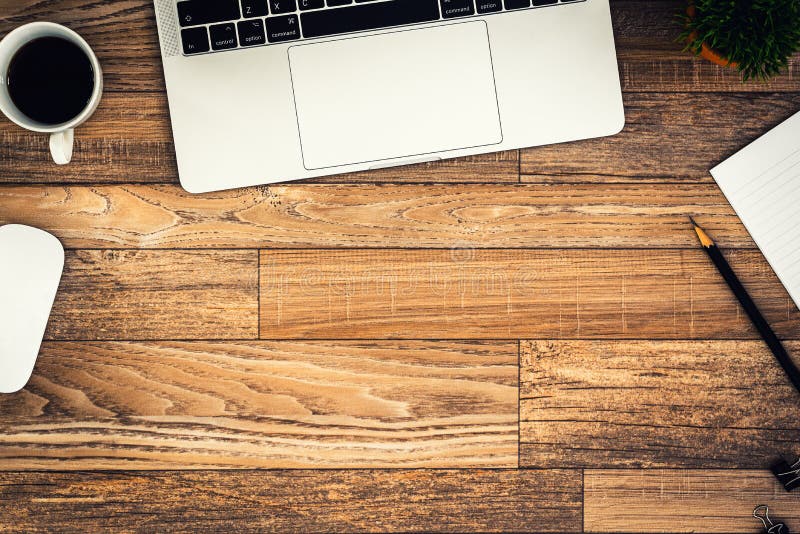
{"x": 50, "y": 80}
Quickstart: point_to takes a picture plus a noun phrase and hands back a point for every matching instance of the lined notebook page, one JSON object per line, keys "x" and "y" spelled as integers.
{"x": 762, "y": 183}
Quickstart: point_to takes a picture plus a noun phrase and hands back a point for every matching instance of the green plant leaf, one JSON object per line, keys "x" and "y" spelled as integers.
{"x": 759, "y": 35}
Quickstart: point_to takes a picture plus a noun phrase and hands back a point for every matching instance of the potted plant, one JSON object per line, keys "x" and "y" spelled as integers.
{"x": 757, "y": 37}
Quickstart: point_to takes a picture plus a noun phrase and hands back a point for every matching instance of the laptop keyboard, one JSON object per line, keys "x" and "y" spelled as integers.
{"x": 217, "y": 25}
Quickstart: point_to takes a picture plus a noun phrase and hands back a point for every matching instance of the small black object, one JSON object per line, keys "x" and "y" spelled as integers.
{"x": 251, "y": 32}
{"x": 255, "y": 8}
{"x": 196, "y": 12}
{"x": 787, "y": 474}
{"x": 761, "y": 513}
{"x": 195, "y": 40}
{"x": 370, "y": 16}
{"x": 457, "y": 8}
{"x": 283, "y": 28}
{"x": 489, "y": 6}
{"x": 223, "y": 36}
{"x": 279, "y": 7}
{"x": 517, "y": 4}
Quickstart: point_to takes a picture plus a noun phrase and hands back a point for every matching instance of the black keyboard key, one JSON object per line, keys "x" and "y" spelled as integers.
{"x": 337, "y": 3}
{"x": 457, "y": 8}
{"x": 311, "y": 4}
{"x": 372, "y": 16}
{"x": 284, "y": 28}
{"x": 254, "y": 8}
{"x": 223, "y": 36}
{"x": 251, "y": 32}
{"x": 538, "y": 3}
{"x": 489, "y": 6}
{"x": 517, "y": 4}
{"x": 194, "y": 12}
{"x": 195, "y": 40}
{"x": 282, "y": 6}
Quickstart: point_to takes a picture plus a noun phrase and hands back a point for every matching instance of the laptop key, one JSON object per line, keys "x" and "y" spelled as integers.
{"x": 195, "y": 40}
{"x": 489, "y": 6}
{"x": 517, "y": 4}
{"x": 223, "y": 36}
{"x": 285, "y": 28}
{"x": 457, "y": 8}
{"x": 282, "y": 6}
{"x": 251, "y": 32}
{"x": 311, "y": 4}
{"x": 195, "y": 12}
{"x": 254, "y": 8}
{"x": 368, "y": 16}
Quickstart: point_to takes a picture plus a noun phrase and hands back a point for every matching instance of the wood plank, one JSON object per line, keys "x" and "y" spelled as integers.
{"x": 170, "y": 405}
{"x": 157, "y": 294}
{"x": 129, "y": 139}
{"x": 655, "y": 404}
{"x": 296, "y": 501}
{"x": 517, "y": 294}
{"x": 668, "y": 137}
{"x": 123, "y": 34}
{"x": 651, "y": 58}
{"x": 684, "y": 501}
{"x": 405, "y": 216}
{"x": 494, "y": 167}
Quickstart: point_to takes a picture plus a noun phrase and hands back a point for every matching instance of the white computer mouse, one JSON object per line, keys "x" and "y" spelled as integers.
{"x": 31, "y": 263}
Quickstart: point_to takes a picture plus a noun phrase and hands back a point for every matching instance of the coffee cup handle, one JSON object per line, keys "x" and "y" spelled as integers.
{"x": 61, "y": 146}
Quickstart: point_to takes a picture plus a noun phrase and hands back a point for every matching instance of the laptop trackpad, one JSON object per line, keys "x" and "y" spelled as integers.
{"x": 395, "y": 95}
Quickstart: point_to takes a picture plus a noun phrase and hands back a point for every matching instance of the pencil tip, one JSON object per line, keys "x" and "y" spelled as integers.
{"x": 704, "y": 239}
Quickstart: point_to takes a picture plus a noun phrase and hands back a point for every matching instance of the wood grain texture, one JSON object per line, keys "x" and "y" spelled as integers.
{"x": 684, "y": 501}
{"x": 406, "y": 216}
{"x": 126, "y": 140}
{"x": 600, "y": 404}
{"x": 494, "y": 167}
{"x": 123, "y": 34}
{"x": 652, "y": 59}
{"x": 185, "y": 405}
{"x": 501, "y": 294}
{"x": 296, "y": 501}
{"x": 134, "y": 294}
{"x": 623, "y": 396}
{"x": 667, "y": 137}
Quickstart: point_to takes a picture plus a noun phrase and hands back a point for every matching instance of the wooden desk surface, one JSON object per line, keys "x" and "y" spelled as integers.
{"x": 527, "y": 340}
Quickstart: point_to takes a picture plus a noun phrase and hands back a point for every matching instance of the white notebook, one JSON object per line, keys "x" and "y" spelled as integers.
{"x": 762, "y": 183}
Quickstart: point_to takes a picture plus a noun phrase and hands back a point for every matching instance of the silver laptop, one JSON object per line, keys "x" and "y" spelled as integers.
{"x": 264, "y": 91}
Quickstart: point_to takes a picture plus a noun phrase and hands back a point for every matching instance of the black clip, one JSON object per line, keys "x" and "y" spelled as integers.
{"x": 769, "y": 526}
{"x": 788, "y": 475}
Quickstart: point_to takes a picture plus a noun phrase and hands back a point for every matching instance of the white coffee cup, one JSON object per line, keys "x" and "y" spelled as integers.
{"x": 61, "y": 135}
